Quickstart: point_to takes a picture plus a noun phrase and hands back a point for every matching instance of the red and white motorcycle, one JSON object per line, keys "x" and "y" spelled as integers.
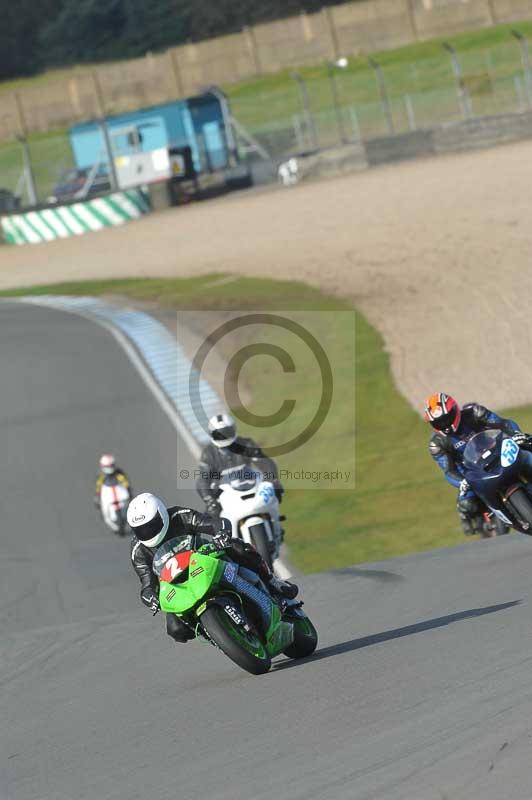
{"x": 114, "y": 500}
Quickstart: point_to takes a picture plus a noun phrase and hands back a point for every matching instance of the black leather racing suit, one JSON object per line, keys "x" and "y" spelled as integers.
{"x": 242, "y": 452}
{"x": 184, "y": 521}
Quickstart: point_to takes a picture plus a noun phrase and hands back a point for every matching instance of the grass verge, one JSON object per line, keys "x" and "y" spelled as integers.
{"x": 401, "y": 503}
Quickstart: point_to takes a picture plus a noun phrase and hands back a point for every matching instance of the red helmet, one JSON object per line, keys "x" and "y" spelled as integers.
{"x": 443, "y": 412}
{"x": 108, "y": 464}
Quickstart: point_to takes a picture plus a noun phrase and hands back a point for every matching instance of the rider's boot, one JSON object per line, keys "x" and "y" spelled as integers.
{"x": 178, "y": 630}
{"x": 281, "y": 588}
{"x": 470, "y": 513}
{"x": 278, "y": 588}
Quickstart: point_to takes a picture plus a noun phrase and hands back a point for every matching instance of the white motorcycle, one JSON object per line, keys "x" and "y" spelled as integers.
{"x": 250, "y": 504}
{"x": 114, "y": 500}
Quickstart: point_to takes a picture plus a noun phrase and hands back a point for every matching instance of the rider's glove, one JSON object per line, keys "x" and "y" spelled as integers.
{"x": 520, "y": 438}
{"x": 464, "y": 487}
{"x": 150, "y": 599}
{"x": 222, "y": 538}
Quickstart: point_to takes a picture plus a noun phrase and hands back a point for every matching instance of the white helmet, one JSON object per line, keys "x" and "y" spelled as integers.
{"x": 222, "y": 429}
{"x": 108, "y": 464}
{"x": 148, "y": 517}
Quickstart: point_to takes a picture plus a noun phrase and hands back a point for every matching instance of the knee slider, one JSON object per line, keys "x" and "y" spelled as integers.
{"x": 468, "y": 506}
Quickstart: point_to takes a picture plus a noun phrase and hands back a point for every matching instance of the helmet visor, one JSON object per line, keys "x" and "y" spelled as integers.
{"x": 445, "y": 422}
{"x": 224, "y": 434}
{"x": 150, "y": 529}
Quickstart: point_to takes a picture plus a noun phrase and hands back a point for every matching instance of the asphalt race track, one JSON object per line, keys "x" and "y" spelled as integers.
{"x": 421, "y": 688}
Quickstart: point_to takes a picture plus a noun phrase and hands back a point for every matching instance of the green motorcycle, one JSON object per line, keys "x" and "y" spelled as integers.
{"x": 208, "y": 593}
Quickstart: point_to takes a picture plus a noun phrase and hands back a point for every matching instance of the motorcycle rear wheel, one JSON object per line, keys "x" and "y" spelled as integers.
{"x": 246, "y": 650}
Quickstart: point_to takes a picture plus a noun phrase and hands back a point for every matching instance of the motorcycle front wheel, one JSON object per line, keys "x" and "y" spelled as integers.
{"x": 305, "y": 638}
{"x": 520, "y": 503}
{"x": 245, "y": 649}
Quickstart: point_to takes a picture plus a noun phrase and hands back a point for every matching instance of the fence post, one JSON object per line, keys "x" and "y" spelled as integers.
{"x": 461, "y": 89}
{"x": 105, "y": 129}
{"x": 520, "y": 92}
{"x": 20, "y": 114}
{"x": 305, "y": 103}
{"x": 176, "y": 69}
{"x": 28, "y": 171}
{"x": 306, "y": 26}
{"x": 355, "y": 124}
{"x": 385, "y": 100}
{"x": 411, "y": 11}
{"x": 494, "y": 20}
{"x": 333, "y": 34}
{"x": 410, "y": 113}
{"x": 336, "y": 101}
{"x": 525, "y": 60}
{"x": 73, "y": 91}
{"x": 298, "y": 132}
{"x": 251, "y": 43}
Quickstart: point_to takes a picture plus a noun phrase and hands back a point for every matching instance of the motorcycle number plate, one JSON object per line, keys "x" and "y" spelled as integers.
{"x": 509, "y": 452}
{"x": 266, "y": 493}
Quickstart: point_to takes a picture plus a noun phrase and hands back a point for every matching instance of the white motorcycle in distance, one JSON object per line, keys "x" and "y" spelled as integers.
{"x": 114, "y": 500}
{"x": 250, "y": 504}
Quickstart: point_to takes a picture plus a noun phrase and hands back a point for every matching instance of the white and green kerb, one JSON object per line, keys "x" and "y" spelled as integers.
{"x": 60, "y": 222}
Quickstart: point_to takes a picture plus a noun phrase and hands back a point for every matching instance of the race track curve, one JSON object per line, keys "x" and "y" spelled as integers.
{"x": 421, "y": 688}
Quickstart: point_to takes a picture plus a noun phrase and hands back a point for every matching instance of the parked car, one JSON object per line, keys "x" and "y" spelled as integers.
{"x": 9, "y": 202}
{"x": 80, "y": 183}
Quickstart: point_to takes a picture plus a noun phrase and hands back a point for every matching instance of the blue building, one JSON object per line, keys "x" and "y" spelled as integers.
{"x": 197, "y": 122}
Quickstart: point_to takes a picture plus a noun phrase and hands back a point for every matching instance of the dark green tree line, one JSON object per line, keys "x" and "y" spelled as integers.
{"x": 61, "y": 32}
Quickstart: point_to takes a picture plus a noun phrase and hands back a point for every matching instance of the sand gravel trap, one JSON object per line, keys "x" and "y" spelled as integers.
{"x": 437, "y": 253}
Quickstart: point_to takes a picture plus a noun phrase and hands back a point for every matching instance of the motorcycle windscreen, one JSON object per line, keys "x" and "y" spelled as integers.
{"x": 241, "y": 478}
{"x": 483, "y": 450}
{"x": 486, "y": 471}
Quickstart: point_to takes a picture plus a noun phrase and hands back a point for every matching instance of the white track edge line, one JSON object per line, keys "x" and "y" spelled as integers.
{"x": 154, "y": 387}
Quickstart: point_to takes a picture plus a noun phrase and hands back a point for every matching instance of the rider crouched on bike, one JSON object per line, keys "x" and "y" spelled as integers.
{"x": 108, "y": 469}
{"x": 453, "y": 427}
{"x": 226, "y": 450}
{"x": 153, "y": 524}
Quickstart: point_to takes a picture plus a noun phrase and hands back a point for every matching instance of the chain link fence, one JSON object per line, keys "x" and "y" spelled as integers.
{"x": 350, "y": 102}
{"x": 344, "y": 102}
{"x": 31, "y": 170}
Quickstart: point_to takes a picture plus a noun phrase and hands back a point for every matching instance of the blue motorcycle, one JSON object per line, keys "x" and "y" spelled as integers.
{"x": 495, "y": 470}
